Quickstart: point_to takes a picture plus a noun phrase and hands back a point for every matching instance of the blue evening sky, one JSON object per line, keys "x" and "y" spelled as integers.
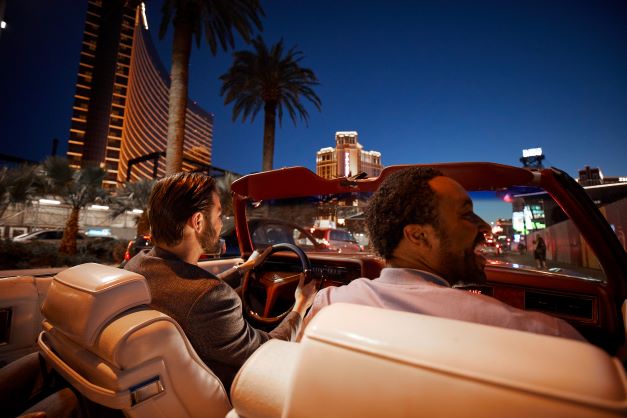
{"x": 421, "y": 81}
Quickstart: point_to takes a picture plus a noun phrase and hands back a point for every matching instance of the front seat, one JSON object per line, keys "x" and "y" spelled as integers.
{"x": 103, "y": 339}
{"x": 361, "y": 361}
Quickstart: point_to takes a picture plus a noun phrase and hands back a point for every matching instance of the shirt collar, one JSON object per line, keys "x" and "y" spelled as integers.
{"x": 406, "y": 275}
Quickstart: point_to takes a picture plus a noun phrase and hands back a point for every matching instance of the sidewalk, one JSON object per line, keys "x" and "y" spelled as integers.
{"x": 528, "y": 260}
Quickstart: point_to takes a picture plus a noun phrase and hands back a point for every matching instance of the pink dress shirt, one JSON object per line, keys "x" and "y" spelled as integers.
{"x": 425, "y": 293}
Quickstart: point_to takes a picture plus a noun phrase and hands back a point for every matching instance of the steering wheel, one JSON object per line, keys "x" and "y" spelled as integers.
{"x": 253, "y": 276}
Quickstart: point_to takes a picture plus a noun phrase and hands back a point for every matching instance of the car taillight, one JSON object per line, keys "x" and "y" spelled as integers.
{"x": 127, "y": 253}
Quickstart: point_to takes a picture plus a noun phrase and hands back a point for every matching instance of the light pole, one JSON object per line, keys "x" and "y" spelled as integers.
{"x": 3, "y": 24}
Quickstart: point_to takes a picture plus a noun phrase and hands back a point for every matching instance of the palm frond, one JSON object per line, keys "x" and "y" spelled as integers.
{"x": 218, "y": 20}
{"x": 78, "y": 188}
{"x": 269, "y": 75}
{"x": 131, "y": 195}
{"x": 272, "y": 77}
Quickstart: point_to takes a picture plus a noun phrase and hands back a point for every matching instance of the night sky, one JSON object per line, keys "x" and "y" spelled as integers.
{"x": 421, "y": 81}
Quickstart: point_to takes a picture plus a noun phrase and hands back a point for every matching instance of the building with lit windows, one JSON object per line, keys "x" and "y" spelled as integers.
{"x": 593, "y": 176}
{"x": 347, "y": 158}
{"x": 120, "y": 111}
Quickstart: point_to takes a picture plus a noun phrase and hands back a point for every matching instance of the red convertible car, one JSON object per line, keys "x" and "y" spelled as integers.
{"x": 357, "y": 361}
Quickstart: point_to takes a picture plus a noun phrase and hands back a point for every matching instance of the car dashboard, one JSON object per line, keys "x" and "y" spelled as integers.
{"x": 573, "y": 299}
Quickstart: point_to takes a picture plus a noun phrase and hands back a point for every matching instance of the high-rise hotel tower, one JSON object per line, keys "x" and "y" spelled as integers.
{"x": 347, "y": 158}
{"x": 120, "y": 112}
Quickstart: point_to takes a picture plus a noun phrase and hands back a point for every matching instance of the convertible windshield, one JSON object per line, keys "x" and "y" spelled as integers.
{"x": 527, "y": 227}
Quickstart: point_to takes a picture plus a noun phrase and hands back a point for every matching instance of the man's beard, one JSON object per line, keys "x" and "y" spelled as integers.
{"x": 466, "y": 269}
{"x": 209, "y": 240}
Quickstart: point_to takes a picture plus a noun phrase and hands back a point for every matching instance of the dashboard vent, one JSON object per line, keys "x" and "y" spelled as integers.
{"x": 570, "y": 306}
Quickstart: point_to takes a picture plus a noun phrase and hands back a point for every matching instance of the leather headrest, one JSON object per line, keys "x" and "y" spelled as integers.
{"x": 83, "y": 299}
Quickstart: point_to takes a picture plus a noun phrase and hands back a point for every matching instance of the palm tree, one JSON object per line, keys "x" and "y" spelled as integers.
{"x": 218, "y": 18}
{"x": 78, "y": 188}
{"x": 223, "y": 186}
{"x": 273, "y": 78}
{"x": 132, "y": 196}
{"x": 18, "y": 185}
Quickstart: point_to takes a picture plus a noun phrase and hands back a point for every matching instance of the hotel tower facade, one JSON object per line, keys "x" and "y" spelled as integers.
{"x": 120, "y": 112}
{"x": 347, "y": 158}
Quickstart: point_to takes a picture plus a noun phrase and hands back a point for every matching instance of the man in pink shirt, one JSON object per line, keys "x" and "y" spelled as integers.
{"x": 423, "y": 224}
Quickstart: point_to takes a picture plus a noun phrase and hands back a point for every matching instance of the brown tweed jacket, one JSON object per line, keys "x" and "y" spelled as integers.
{"x": 208, "y": 310}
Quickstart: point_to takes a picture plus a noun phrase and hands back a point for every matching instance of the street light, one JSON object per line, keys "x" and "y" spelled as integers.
{"x": 3, "y": 24}
{"x": 98, "y": 207}
{"x": 49, "y": 202}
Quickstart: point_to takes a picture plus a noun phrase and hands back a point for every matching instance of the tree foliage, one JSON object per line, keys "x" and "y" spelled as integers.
{"x": 77, "y": 188}
{"x": 130, "y": 196}
{"x": 19, "y": 186}
{"x": 223, "y": 186}
{"x": 271, "y": 78}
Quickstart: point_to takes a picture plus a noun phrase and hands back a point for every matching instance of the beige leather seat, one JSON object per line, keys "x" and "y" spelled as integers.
{"x": 100, "y": 335}
{"x": 21, "y": 298}
{"x": 359, "y": 361}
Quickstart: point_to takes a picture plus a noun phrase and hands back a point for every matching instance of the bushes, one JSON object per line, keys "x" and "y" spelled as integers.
{"x": 107, "y": 249}
{"x": 34, "y": 254}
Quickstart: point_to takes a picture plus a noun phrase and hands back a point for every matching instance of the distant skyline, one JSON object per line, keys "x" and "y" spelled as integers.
{"x": 420, "y": 81}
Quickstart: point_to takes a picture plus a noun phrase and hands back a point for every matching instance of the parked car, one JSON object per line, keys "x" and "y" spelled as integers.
{"x": 338, "y": 240}
{"x": 47, "y": 235}
{"x": 137, "y": 244}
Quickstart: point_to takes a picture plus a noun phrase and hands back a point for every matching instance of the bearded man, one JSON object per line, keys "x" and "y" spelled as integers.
{"x": 184, "y": 213}
{"x": 423, "y": 224}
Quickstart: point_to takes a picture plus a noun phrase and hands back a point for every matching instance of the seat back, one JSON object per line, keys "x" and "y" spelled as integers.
{"x": 100, "y": 335}
{"x": 369, "y": 362}
{"x": 20, "y": 315}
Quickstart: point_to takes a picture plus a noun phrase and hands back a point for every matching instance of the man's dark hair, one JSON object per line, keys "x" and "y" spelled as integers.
{"x": 173, "y": 200}
{"x": 403, "y": 198}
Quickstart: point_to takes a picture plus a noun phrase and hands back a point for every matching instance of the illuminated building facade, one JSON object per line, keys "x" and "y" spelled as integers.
{"x": 593, "y": 176}
{"x": 120, "y": 108}
{"x": 347, "y": 158}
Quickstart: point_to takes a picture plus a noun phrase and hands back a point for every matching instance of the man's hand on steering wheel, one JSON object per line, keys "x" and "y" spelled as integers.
{"x": 255, "y": 260}
{"x": 304, "y": 295}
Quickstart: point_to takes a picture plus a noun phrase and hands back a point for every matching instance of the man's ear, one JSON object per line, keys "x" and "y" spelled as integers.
{"x": 196, "y": 221}
{"x": 420, "y": 235}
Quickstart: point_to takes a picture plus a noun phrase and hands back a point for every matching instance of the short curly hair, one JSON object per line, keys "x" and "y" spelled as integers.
{"x": 403, "y": 198}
